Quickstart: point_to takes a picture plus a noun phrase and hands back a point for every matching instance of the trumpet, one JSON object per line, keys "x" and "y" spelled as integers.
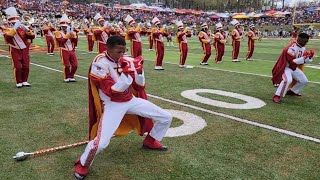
{"x": 26, "y": 21}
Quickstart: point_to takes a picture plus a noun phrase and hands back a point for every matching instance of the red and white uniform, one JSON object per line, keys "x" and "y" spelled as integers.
{"x": 183, "y": 45}
{"x": 88, "y": 33}
{"x": 101, "y": 35}
{"x": 204, "y": 38}
{"x": 75, "y": 38}
{"x": 236, "y": 38}
{"x": 68, "y": 56}
{"x": 251, "y": 38}
{"x": 150, "y": 40}
{"x": 135, "y": 39}
{"x": 48, "y": 32}
{"x": 157, "y": 36}
{"x": 219, "y": 45}
{"x": 19, "y": 42}
{"x": 115, "y": 92}
{"x": 286, "y": 69}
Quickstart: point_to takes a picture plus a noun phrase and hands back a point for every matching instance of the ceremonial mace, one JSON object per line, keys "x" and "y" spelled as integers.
{"x": 20, "y": 156}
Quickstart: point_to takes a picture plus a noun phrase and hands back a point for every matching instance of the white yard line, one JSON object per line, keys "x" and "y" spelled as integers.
{"x": 283, "y": 131}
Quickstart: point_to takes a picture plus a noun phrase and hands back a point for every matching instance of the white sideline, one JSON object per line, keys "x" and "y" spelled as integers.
{"x": 283, "y": 131}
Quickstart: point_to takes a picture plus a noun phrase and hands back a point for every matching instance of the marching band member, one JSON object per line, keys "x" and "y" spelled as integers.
{"x": 19, "y": 38}
{"x": 76, "y": 30}
{"x": 204, "y": 37}
{"x": 121, "y": 30}
{"x": 117, "y": 105}
{"x": 133, "y": 34}
{"x": 64, "y": 39}
{"x": 294, "y": 34}
{"x": 286, "y": 68}
{"x": 219, "y": 43}
{"x": 48, "y": 31}
{"x": 88, "y": 32}
{"x": 101, "y": 34}
{"x": 183, "y": 44}
{"x": 149, "y": 33}
{"x": 157, "y": 36}
{"x": 236, "y": 38}
{"x": 251, "y": 34}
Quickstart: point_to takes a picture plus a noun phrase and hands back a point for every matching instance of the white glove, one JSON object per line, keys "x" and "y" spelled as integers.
{"x": 106, "y": 24}
{"x": 16, "y": 25}
{"x": 68, "y": 29}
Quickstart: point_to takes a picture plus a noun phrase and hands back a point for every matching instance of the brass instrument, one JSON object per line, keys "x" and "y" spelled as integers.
{"x": 26, "y": 21}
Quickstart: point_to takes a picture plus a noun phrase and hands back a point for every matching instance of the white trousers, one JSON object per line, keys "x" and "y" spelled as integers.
{"x": 287, "y": 78}
{"x": 111, "y": 119}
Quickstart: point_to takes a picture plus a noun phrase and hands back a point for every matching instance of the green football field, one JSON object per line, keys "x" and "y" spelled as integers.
{"x": 214, "y": 136}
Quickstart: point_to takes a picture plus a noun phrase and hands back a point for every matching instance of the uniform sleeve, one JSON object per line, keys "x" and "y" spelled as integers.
{"x": 99, "y": 74}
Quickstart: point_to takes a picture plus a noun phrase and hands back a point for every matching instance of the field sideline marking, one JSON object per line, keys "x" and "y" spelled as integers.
{"x": 224, "y": 70}
{"x": 283, "y": 131}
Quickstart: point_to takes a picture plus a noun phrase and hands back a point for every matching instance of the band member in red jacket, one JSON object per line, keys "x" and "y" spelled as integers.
{"x": 117, "y": 105}
{"x": 219, "y": 43}
{"x": 48, "y": 31}
{"x": 102, "y": 33}
{"x": 88, "y": 32}
{"x": 133, "y": 34}
{"x": 286, "y": 68}
{"x": 205, "y": 39}
{"x": 251, "y": 34}
{"x": 157, "y": 36}
{"x": 64, "y": 39}
{"x": 294, "y": 34}
{"x": 19, "y": 38}
{"x": 182, "y": 35}
{"x": 236, "y": 38}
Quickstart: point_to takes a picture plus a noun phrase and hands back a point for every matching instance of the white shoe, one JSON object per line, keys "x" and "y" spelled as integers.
{"x": 188, "y": 67}
{"x": 19, "y": 85}
{"x": 249, "y": 59}
{"x": 204, "y": 63}
{"x": 219, "y": 62}
{"x": 158, "y": 68}
{"x": 182, "y": 66}
{"x": 72, "y": 80}
{"x": 235, "y": 60}
{"x": 26, "y": 84}
{"x": 150, "y": 49}
{"x": 66, "y": 80}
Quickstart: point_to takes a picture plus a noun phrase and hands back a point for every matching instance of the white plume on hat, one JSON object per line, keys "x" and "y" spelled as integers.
{"x": 219, "y": 26}
{"x": 155, "y": 21}
{"x": 251, "y": 26}
{"x": 12, "y": 14}
{"x": 234, "y": 22}
{"x": 129, "y": 20}
{"x": 98, "y": 17}
{"x": 179, "y": 24}
{"x": 64, "y": 20}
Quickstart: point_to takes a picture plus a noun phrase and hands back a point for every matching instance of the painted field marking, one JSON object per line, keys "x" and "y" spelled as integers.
{"x": 283, "y": 131}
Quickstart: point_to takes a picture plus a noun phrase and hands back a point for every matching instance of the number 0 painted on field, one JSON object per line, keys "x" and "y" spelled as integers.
{"x": 191, "y": 124}
{"x": 251, "y": 102}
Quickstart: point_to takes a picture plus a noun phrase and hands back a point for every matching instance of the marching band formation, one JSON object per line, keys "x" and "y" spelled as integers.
{"x": 63, "y": 33}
